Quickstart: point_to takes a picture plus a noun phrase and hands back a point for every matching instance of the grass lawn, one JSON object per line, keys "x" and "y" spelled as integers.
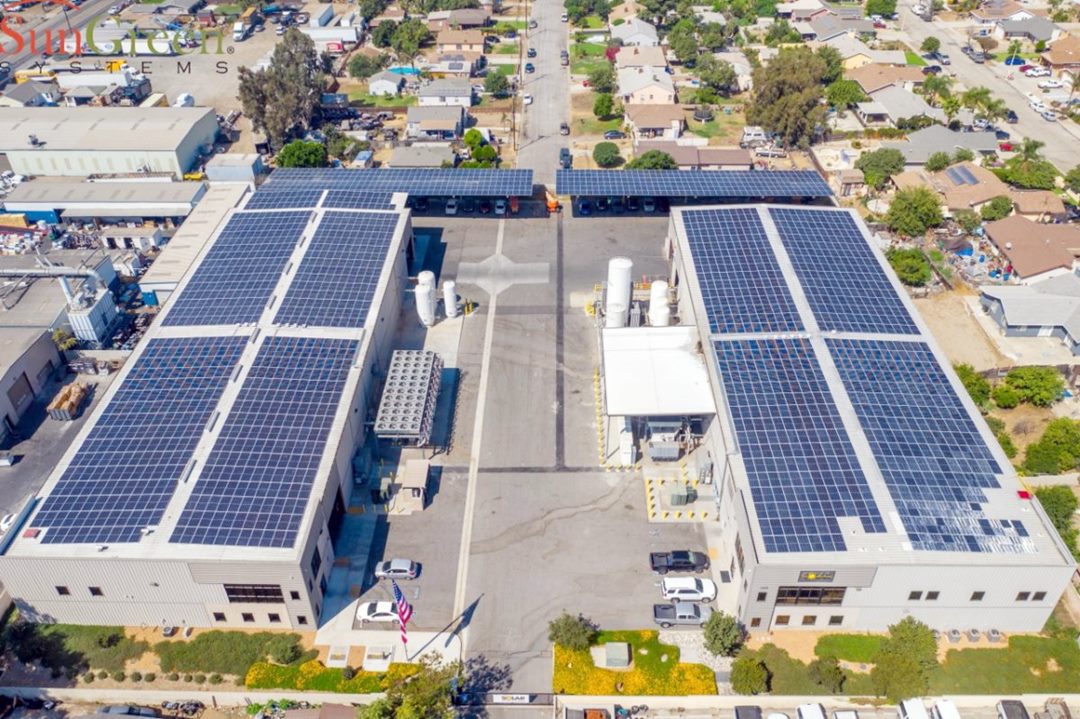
{"x": 587, "y": 49}
{"x": 1037, "y": 665}
{"x": 592, "y": 22}
{"x": 70, "y": 645}
{"x": 363, "y": 98}
{"x": 859, "y": 648}
{"x": 913, "y": 58}
{"x": 790, "y": 676}
{"x": 1003, "y": 56}
{"x": 506, "y": 48}
{"x": 657, "y": 671}
{"x": 226, "y": 652}
{"x": 724, "y": 129}
{"x": 229, "y": 10}
{"x": 587, "y": 66}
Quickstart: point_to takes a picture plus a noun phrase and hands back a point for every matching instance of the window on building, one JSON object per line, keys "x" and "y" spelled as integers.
{"x": 782, "y": 620}
{"x": 274, "y": 618}
{"x": 755, "y": 622}
{"x": 739, "y": 553}
{"x": 931, "y": 596}
{"x": 301, "y": 619}
{"x": 219, "y": 616}
{"x": 323, "y": 584}
{"x": 294, "y": 595}
{"x": 836, "y": 620}
{"x": 762, "y": 596}
{"x": 63, "y": 591}
{"x": 1023, "y": 596}
{"x": 977, "y": 596}
{"x": 96, "y": 592}
{"x": 810, "y": 595}
{"x": 316, "y": 562}
{"x": 914, "y": 596}
{"x": 247, "y": 617}
{"x": 254, "y": 594}
{"x": 809, "y": 620}
{"x": 1038, "y": 596}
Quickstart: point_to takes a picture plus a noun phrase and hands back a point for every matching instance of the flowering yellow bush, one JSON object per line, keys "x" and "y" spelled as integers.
{"x": 310, "y": 676}
{"x": 575, "y": 672}
{"x": 397, "y": 673}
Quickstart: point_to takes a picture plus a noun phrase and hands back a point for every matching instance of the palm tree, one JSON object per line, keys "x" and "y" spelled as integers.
{"x": 1014, "y": 50}
{"x": 994, "y": 109}
{"x": 951, "y": 105}
{"x": 1029, "y": 150}
{"x": 975, "y": 98}
{"x": 936, "y": 87}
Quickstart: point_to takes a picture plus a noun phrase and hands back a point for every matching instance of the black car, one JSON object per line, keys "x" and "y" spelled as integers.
{"x": 564, "y": 128}
{"x": 662, "y": 204}
{"x": 678, "y": 561}
{"x": 532, "y": 52}
{"x": 584, "y": 207}
{"x": 618, "y": 206}
{"x": 932, "y": 70}
{"x": 602, "y": 204}
{"x": 566, "y": 160}
{"x": 467, "y": 206}
{"x": 1011, "y": 117}
{"x": 633, "y": 204}
{"x": 529, "y": 67}
{"x": 1001, "y": 135}
{"x": 420, "y": 203}
{"x": 614, "y": 135}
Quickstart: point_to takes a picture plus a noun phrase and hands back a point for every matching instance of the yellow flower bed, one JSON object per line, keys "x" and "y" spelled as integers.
{"x": 314, "y": 676}
{"x": 575, "y": 672}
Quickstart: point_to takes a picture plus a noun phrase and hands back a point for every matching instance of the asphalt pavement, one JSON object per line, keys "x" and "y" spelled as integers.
{"x": 550, "y": 88}
{"x": 52, "y": 17}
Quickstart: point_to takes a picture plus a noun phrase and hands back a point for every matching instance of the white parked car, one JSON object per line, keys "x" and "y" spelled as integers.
{"x": 377, "y": 612}
{"x": 1037, "y": 106}
{"x": 397, "y": 569}
{"x": 526, "y": 99}
{"x": 1048, "y": 115}
{"x": 1038, "y": 72}
{"x": 564, "y": 17}
{"x": 500, "y": 207}
{"x": 1051, "y": 85}
{"x": 6, "y": 522}
{"x": 688, "y": 589}
{"x": 451, "y": 207}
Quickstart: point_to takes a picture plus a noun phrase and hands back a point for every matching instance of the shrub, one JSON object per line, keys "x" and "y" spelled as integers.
{"x": 103, "y": 674}
{"x": 215, "y": 678}
{"x": 1005, "y": 396}
{"x": 607, "y": 154}
{"x": 572, "y": 632}
{"x": 1057, "y": 451}
{"x": 913, "y": 211}
{"x": 826, "y": 672}
{"x": 189, "y": 678}
{"x": 1041, "y": 386}
{"x": 1006, "y": 443}
{"x": 749, "y": 676}
{"x": 89, "y": 678}
{"x": 347, "y": 673}
{"x": 996, "y": 208}
{"x": 723, "y": 634}
{"x": 136, "y": 676}
{"x": 285, "y": 653}
{"x": 173, "y": 677}
{"x": 119, "y": 676}
{"x": 910, "y": 265}
{"x": 976, "y": 385}
{"x": 937, "y": 161}
{"x": 968, "y": 220}
{"x": 200, "y": 678}
{"x": 149, "y": 677}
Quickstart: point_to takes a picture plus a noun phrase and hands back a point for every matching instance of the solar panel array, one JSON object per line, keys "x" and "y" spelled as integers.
{"x": 802, "y": 469}
{"x": 934, "y": 461}
{"x": 741, "y": 284}
{"x": 126, "y": 470}
{"x": 430, "y": 182}
{"x": 285, "y": 198}
{"x": 236, "y": 278}
{"x": 748, "y": 185}
{"x": 845, "y": 285}
{"x": 258, "y": 478}
{"x": 358, "y": 200}
{"x": 336, "y": 281}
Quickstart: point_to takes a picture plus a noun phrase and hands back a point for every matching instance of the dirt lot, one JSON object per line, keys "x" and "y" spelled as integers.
{"x": 1025, "y": 424}
{"x": 958, "y": 333}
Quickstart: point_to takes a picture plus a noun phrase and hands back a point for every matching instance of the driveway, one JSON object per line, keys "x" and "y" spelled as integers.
{"x": 540, "y": 141}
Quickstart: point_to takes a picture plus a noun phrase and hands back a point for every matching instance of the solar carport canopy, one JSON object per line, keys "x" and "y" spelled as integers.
{"x": 440, "y": 182}
{"x": 728, "y": 185}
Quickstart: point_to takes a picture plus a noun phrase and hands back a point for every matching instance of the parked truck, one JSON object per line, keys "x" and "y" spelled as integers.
{"x": 678, "y": 561}
{"x": 681, "y": 613}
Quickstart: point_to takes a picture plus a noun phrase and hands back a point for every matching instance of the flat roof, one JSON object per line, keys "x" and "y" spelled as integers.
{"x": 88, "y": 129}
{"x": 60, "y": 194}
{"x": 39, "y": 301}
{"x": 846, "y": 428}
{"x": 655, "y": 371}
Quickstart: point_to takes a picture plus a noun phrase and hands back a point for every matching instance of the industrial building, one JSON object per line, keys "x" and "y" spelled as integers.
{"x": 113, "y": 202}
{"x": 83, "y": 141}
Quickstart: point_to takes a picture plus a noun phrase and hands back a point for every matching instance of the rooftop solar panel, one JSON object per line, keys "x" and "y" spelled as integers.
{"x": 802, "y": 469}
{"x": 126, "y": 470}
{"x": 235, "y": 280}
{"x": 258, "y": 478}
{"x": 742, "y": 287}
{"x": 336, "y": 280}
{"x": 933, "y": 459}
{"x": 845, "y": 285}
{"x": 284, "y": 199}
{"x": 431, "y": 182}
{"x": 747, "y": 185}
{"x": 358, "y": 200}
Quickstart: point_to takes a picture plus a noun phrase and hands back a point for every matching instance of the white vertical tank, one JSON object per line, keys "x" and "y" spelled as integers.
{"x": 427, "y": 277}
{"x": 425, "y": 304}
{"x": 449, "y": 289}
{"x": 659, "y": 309}
{"x": 618, "y": 291}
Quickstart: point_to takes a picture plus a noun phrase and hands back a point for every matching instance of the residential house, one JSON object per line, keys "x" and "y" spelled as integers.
{"x": 706, "y": 15}
{"x": 393, "y": 12}
{"x": 641, "y": 56}
{"x": 625, "y": 11}
{"x": 850, "y": 183}
{"x": 1034, "y": 251}
{"x": 423, "y": 155}
{"x": 967, "y": 186}
{"x": 646, "y": 86}
{"x": 1063, "y": 55}
{"x": 469, "y": 18}
{"x": 874, "y": 77}
{"x": 1033, "y": 29}
{"x": 827, "y": 27}
{"x": 921, "y": 144}
{"x": 446, "y": 92}
{"x": 801, "y": 10}
{"x": 435, "y": 123}
{"x": 656, "y": 121}
{"x": 30, "y": 94}
{"x": 635, "y": 31}
{"x": 450, "y": 40}
{"x": 744, "y": 72}
{"x": 855, "y": 53}
{"x": 385, "y": 84}
{"x": 892, "y": 104}
{"x": 1038, "y": 205}
{"x": 455, "y": 64}
{"x": 703, "y": 157}
{"x": 1047, "y": 308}
{"x": 994, "y": 11}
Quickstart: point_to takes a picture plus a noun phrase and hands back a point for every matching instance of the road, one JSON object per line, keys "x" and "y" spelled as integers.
{"x": 41, "y": 20}
{"x": 549, "y": 86}
{"x": 1060, "y": 138}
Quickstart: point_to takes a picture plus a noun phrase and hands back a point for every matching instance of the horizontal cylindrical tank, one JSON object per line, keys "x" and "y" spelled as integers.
{"x": 618, "y": 291}
{"x": 659, "y": 309}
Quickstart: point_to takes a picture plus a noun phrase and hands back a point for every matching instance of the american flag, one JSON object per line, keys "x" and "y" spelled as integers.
{"x": 404, "y": 610}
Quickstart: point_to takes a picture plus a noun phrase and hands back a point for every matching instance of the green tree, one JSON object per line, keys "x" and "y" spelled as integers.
{"x": 363, "y": 66}
{"x": 897, "y": 676}
{"x": 572, "y": 632}
{"x": 496, "y": 84}
{"x": 936, "y": 87}
{"x": 653, "y": 160}
{"x": 381, "y": 36}
{"x": 749, "y": 676}
{"x": 1057, "y": 451}
{"x": 915, "y": 639}
{"x": 607, "y": 154}
{"x": 723, "y": 634}
{"x": 1060, "y": 505}
{"x": 968, "y": 220}
{"x": 914, "y": 211}
{"x": 781, "y": 32}
{"x": 963, "y": 154}
{"x": 1015, "y": 47}
{"x": 473, "y": 139}
{"x": 1028, "y": 169}
{"x": 603, "y": 105}
{"x": 427, "y": 694}
{"x": 300, "y": 153}
{"x": 717, "y": 75}
{"x": 937, "y": 162}
{"x": 844, "y": 93}
{"x": 64, "y": 340}
{"x": 682, "y": 39}
{"x": 370, "y": 9}
{"x": 486, "y": 155}
{"x": 833, "y": 63}
{"x": 884, "y": 8}
{"x": 280, "y": 100}
{"x": 1005, "y": 396}
{"x": 910, "y": 265}
{"x": 996, "y": 208}
{"x": 712, "y": 36}
{"x": 930, "y": 44}
{"x": 408, "y": 38}
{"x": 1072, "y": 179}
{"x": 1040, "y": 386}
{"x": 878, "y": 166}
{"x": 826, "y": 672}
{"x": 602, "y": 79}
{"x": 976, "y": 385}
{"x": 787, "y": 96}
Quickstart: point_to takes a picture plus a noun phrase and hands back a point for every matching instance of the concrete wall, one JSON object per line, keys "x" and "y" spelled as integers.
{"x": 34, "y": 363}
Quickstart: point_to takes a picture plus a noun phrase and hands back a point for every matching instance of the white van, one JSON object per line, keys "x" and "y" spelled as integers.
{"x": 811, "y": 711}
{"x": 912, "y": 709}
{"x": 944, "y": 709}
{"x": 753, "y": 135}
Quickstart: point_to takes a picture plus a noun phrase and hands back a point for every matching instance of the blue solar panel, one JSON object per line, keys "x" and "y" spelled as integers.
{"x": 238, "y": 275}
{"x": 934, "y": 461}
{"x": 258, "y": 478}
{"x": 743, "y": 185}
{"x": 358, "y": 200}
{"x": 337, "y": 277}
{"x": 846, "y": 286}
{"x": 742, "y": 287}
{"x": 125, "y": 472}
{"x": 430, "y": 182}
{"x": 284, "y": 199}
{"x": 802, "y": 469}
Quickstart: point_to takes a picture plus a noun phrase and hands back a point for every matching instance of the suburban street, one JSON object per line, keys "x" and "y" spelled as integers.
{"x": 47, "y": 17}
{"x": 1061, "y": 138}
{"x": 549, "y": 87}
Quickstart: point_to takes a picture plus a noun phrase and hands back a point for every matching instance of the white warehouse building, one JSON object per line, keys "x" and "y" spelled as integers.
{"x": 82, "y": 141}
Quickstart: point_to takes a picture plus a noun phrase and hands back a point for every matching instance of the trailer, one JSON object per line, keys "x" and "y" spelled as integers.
{"x": 322, "y": 15}
{"x": 345, "y": 36}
